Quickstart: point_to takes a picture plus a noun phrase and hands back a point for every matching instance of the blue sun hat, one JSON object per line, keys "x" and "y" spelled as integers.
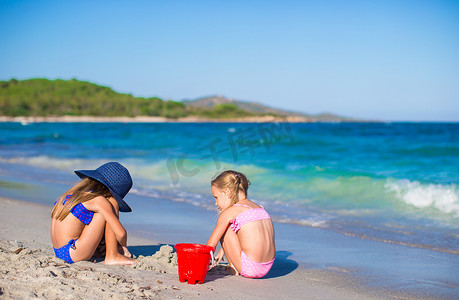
{"x": 115, "y": 177}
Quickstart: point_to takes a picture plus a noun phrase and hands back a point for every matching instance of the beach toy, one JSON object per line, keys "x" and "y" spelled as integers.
{"x": 193, "y": 261}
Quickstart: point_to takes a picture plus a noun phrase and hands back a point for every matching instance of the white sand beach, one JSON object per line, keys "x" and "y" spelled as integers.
{"x": 28, "y": 269}
{"x": 147, "y": 119}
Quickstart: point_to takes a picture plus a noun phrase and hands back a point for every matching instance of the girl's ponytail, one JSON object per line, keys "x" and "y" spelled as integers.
{"x": 234, "y": 181}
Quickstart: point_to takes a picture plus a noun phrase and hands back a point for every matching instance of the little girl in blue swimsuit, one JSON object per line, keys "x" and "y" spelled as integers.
{"x": 244, "y": 228}
{"x": 90, "y": 210}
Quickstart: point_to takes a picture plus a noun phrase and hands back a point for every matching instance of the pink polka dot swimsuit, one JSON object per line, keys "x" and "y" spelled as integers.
{"x": 253, "y": 214}
{"x": 249, "y": 267}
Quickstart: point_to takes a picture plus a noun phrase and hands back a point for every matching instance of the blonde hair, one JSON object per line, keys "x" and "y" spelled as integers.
{"x": 234, "y": 181}
{"x": 83, "y": 191}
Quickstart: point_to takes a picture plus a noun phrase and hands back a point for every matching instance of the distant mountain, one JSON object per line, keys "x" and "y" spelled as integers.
{"x": 258, "y": 108}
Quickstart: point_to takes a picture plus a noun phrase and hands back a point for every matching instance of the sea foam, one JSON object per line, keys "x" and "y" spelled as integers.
{"x": 445, "y": 198}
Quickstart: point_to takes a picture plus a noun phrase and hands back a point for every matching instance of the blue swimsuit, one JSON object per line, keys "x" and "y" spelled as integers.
{"x": 82, "y": 214}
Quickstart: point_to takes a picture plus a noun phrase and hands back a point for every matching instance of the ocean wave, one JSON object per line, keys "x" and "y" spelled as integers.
{"x": 48, "y": 162}
{"x": 309, "y": 186}
{"x": 443, "y": 198}
{"x": 162, "y": 173}
{"x": 303, "y": 222}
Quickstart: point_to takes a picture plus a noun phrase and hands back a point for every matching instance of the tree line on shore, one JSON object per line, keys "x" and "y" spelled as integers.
{"x": 44, "y": 97}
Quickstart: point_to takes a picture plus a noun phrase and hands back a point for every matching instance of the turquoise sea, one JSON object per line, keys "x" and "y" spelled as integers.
{"x": 390, "y": 183}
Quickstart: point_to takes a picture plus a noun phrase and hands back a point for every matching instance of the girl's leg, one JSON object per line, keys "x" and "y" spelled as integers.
{"x": 232, "y": 248}
{"x": 112, "y": 254}
{"x": 89, "y": 239}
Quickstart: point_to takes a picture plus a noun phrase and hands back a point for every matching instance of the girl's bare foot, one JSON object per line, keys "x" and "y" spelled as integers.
{"x": 126, "y": 252}
{"x": 118, "y": 259}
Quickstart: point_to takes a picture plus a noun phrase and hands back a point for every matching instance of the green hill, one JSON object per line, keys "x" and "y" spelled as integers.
{"x": 43, "y": 97}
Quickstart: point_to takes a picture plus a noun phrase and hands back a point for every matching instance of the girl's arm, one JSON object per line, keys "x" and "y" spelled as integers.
{"x": 222, "y": 225}
{"x": 104, "y": 207}
{"x": 219, "y": 256}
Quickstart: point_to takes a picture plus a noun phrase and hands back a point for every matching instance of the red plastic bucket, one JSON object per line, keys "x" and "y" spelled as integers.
{"x": 193, "y": 261}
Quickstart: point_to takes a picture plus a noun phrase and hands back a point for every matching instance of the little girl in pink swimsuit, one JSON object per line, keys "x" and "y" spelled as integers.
{"x": 244, "y": 228}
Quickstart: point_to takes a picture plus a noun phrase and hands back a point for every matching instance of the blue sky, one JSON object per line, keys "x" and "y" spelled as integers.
{"x": 389, "y": 60}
